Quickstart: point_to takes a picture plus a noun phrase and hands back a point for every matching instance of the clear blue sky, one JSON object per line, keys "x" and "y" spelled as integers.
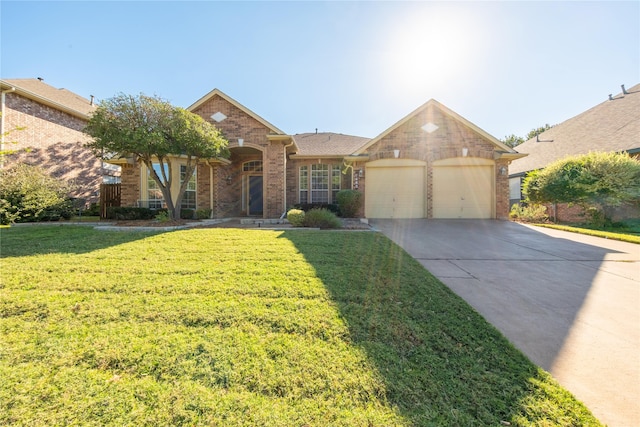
{"x": 348, "y": 67}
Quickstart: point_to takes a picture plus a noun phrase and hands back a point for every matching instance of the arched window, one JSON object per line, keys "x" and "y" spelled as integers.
{"x": 252, "y": 166}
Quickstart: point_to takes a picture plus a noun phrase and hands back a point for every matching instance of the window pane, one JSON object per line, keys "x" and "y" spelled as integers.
{"x": 252, "y": 166}
{"x": 189, "y": 198}
{"x": 154, "y": 194}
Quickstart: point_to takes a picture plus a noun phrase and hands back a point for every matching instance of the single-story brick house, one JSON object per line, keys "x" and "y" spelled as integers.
{"x": 431, "y": 164}
{"x": 52, "y": 120}
{"x": 611, "y": 126}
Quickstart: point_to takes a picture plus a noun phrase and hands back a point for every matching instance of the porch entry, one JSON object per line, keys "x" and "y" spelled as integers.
{"x": 255, "y": 195}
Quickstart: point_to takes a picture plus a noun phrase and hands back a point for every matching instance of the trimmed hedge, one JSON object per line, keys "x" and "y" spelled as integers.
{"x": 296, "y": 217}
{"x": 308, "y": 206}
{"x": 321, "y": 218}
{"x": 123, "y": 213}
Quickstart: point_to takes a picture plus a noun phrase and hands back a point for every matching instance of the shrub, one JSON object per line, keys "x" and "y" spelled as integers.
{"x": 30, "y": 194}
{"x": 163, "y": 216}
{"x": 528, "y": 213}
{"x": 349, "y": 202}
{"x": 296, "y": 217}
{"x": 187, "y": 213}
{"x": 308, "y": 206}
{"x": 94, "y": 210}
{"x": 123, "y": 213}
{"x": 203, "y": 213}
{"x": 321, "y": 218}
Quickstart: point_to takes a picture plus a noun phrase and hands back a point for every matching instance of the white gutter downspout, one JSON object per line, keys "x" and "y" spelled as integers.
{"x": 3, "y": 101}
{"x": 284, "y": 211}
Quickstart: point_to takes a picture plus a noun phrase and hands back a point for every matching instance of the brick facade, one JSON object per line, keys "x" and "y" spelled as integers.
{"x": 55, "y": 141}
{"x": 228, "y": 192}
{"x": 446, "y": 142}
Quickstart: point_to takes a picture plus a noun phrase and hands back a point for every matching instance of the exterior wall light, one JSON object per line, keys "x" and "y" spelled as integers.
{"x": 240, "y": 142}
{"x": 503, "y": 170}
{"x": 228, "y": 179}
{"x": 465, "y": 151}
{"x": 396, "y": 153}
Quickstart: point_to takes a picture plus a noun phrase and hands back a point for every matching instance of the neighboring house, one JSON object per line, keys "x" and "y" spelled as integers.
{"x": 431, "y": 164}
{"x": 612, "y": 126}
{"x": 52, "y": 120}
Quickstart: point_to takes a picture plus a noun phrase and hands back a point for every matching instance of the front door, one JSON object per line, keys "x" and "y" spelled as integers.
{"x": 255, "y": 195}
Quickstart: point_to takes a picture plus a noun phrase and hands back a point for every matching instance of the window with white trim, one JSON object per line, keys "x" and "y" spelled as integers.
{"x": 154, "y": 193}
{"x": 189, "y": 197}
{"x": 321, "y": 185}
{"x": 252, "y": 166}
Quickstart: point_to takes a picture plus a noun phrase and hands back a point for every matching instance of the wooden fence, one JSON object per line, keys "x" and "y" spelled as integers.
{"x": 109, "y": 196}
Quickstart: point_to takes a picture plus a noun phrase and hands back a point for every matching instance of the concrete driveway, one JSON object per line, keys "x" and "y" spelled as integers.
{"x": 570, "y": 302}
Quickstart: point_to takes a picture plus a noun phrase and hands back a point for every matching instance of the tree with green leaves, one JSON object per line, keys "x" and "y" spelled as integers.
{"x": 155, "y": 132}
{"x": 512, "y": 140}
{"x": 535, "y": 132}
{"x": 596, "y": 181}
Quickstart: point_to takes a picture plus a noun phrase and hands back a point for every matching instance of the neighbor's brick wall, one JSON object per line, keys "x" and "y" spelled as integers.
{"x": 56, "y": 143}
{"x": 446, "y": 142}
{"x": 576, "y": 213}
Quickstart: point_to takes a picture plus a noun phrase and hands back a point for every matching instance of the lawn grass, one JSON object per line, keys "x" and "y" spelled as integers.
{"x": 622, "y": 235}
{"x": 245, "y": 327}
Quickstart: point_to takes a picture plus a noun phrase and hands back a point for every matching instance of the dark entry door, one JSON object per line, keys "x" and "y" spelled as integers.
{"x": 255, "y": 195}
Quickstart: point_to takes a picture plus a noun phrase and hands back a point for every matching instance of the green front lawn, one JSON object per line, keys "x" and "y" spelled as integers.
{"x": 246, "y": 327}
{"x": 630, "y": 235}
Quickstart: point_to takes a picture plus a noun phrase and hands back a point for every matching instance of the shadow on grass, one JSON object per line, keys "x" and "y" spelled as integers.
{"x": 441, "y": 362}
{"x": 49, "y": 239}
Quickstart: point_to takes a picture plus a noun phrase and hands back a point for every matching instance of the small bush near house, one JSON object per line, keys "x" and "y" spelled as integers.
{"x": 163, "y": 216}
{"x": 308, "y": 206}
{"x": 124, "y": 213}
{"x": 349, "y": 202}
{"x": 321, "y": 218}
{"x": 187, "y": 213}
{"x": 30, "y": 194}
{"x": 529, "y": 213}
{"x": 203, "y": 213}
{"x": 94, "y": 210}
{"x": 296, "y": 217}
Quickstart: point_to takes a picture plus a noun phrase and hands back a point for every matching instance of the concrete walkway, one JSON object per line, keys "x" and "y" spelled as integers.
{"x": 570, "y": 302}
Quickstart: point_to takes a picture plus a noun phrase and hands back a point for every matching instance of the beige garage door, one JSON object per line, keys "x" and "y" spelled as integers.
{"x": 463, "y": 191}
{"x": 395, "y": 189}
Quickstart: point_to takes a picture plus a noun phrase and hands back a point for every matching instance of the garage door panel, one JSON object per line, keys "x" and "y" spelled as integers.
{"x": 462, "y": 192}
{"x": 394, "y": 192}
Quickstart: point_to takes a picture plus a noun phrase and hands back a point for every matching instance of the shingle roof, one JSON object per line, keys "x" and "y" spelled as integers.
{"x": 609, "y": 126}
{"x": 327, "y": 144}
{"x": 62, "y": 99}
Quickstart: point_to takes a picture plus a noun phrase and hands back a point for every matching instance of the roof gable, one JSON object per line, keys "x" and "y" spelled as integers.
{"x": 218, "y": 92}
{"x": 613, "y": 125}
{"x": 60, "y": 99}
{"x": 432, "y": 103}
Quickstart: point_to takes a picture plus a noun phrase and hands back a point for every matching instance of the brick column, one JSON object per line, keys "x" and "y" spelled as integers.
{"x": 274, "y": 176}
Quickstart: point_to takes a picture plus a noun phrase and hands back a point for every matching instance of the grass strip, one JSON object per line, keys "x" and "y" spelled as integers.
{"x": 630, "y": 238}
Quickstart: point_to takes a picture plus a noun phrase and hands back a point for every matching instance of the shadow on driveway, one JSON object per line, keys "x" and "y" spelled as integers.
{"x": 571, "y": 303}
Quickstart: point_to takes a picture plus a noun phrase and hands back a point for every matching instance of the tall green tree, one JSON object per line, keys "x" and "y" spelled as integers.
{"x": 599, "y": 181}
{"x": 537, "y": 131}
{"x": 155, "y": 132}
{"x": 513, "y": 140}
